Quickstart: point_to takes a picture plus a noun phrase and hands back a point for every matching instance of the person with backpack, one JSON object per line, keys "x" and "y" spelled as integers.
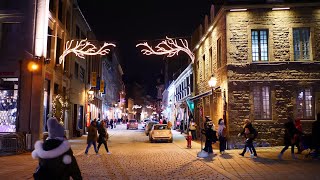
{"x": 250, "y": 133}
{"x": 211, "y": 137}
{"x": 289, "y": 140}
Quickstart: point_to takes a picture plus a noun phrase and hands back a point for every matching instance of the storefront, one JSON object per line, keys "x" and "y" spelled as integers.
{"x": 8, "y": 104}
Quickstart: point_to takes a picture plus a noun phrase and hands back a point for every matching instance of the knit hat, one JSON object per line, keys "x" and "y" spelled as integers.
{"x": 55, "y": 129}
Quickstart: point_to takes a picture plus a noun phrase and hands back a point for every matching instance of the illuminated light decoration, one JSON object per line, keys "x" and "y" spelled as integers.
{"x": 283, "y": 8}
{"x": 149, "y": 107}
{"x": 64, "y": 106}
{"x": 83, "y": 48}
{"x": 136, "y": 107}
{"x": 169, "y": 47}
{"x": 236, "y": 10}
{"x": 42, "y": 28}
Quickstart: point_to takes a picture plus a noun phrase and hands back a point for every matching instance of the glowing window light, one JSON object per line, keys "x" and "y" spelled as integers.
{"x": 235, "y": 10}
{"x": 83, "y": 48}
{"x": 283, "y": 8}
{"x": 169, "y": 47}
{"x": 41, "y": 34}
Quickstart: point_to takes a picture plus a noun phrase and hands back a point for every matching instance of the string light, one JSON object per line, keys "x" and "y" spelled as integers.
{"x": 83, "y": 48}
{"x": 169, "y": 47}
{"x": 64, "y": 106}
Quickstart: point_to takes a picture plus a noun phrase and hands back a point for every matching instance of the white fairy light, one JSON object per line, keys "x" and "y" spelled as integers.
{"x": 84, "y": 48}
{"x": 169, "y": 47}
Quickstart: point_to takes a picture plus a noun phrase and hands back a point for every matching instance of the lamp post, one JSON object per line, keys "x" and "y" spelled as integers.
{"x": 32, "y": 67}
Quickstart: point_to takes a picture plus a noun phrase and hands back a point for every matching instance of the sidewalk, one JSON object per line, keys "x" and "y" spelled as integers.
{"x": 266, "y": 166}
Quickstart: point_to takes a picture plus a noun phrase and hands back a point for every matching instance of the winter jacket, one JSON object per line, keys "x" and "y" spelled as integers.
{"x": 316, "y": 133}
{"x": 92, "y": 134}
{"x": 102, "y": 135}
{"x": 253, "y": 132}
{"x": 210, "y": 134}
{"x": 56, "y": 161}
{"x": 290, "y": 132}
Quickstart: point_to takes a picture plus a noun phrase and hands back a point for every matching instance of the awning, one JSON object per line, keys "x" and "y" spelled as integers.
{"x": 208, "y": 93}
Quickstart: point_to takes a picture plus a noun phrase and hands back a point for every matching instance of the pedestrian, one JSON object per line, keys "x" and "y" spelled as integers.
{"x": 56, "y": 160}
{"x": 297, "y": 137}
{"x": 111, "y": 123}
{"x": 164, "y": 121}
{"x": 250, "y": 133}
{"x": 211, "y": 137}
{"x": 290, "y": 132}
{"x": 92, "y": 137}
{"x": 103, "y": 137}
{"x": 169, "y": 124}
{"x": 192, "y": 129}
{"x": 316, "y": 135}
{"x": 222, "y": 134}
{"x": 181, "y": 126}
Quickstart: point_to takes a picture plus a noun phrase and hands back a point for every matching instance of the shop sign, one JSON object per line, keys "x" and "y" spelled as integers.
{"x": 93, "y": 79}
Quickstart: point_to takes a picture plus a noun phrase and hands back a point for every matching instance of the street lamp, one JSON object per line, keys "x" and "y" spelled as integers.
{"x": 212, "y": 82}
{"x": 32, "y": 67}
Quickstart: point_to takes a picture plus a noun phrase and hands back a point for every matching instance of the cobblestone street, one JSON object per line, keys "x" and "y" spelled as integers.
{"x": 133, "y": 157}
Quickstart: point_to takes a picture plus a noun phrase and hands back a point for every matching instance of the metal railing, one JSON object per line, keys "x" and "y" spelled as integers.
{"x": 11, "y": 143}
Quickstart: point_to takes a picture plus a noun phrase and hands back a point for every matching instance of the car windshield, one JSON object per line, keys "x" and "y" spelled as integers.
{"x": 132, "y": 121}
{"x": 162, "y": 127}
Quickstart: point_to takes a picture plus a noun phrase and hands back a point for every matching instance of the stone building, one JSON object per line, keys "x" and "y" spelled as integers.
{"x": 265, "y": 58}
{"x": 33, "y": 36}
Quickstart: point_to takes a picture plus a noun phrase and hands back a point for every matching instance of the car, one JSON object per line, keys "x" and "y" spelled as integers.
{"x": 144, "y": 123}
{"x": 148, "y": 127}
{"x": 160, "y": 132}
{"x": 132, "y": 124}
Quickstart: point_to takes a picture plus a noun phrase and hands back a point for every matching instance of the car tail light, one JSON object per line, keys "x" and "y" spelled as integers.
{"x": 135, "y": 123}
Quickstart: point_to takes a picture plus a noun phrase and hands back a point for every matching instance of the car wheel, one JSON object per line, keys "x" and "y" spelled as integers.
{"x": 171, "y": 140}
{"x": 150, "y": 139}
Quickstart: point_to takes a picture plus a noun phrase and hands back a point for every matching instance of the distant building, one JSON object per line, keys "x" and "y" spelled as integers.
{"x": 265, "y": 57}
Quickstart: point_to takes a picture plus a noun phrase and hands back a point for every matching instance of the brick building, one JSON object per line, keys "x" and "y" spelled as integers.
{"x": 265, "y": 57}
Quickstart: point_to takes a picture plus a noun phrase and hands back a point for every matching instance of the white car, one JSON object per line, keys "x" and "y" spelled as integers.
{"x": 160, "y": 132}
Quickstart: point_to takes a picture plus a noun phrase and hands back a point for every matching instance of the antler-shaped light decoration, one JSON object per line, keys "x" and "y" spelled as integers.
{"x": 168, "y": 46}
{"x": 83, "y": 48}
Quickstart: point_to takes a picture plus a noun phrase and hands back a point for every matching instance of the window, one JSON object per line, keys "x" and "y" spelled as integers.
{"x": 204, "y": 66}
{"x": 9, "y": 4}
{"x": 301, "y": 41}
{"x": 51, "y": 6}
{"x": 219, "y": 53}
{"x": 259, "y": 40}
{"x": 82, "y": 73}
{"x": 56, "y": 88}
{"x": 77, "y": 32}
{"x": 261, "y": 102}
{"x": 49, "y": 42}
{"x": 9, "y": 37}
{"x": 60, "y": 10}
{"x": 68, "y": 21}
{"x": 58, "y": 50}
{"x": 305, "y": 104}
{"x": 76, "y": 70}
{"x": 210, "y": 60}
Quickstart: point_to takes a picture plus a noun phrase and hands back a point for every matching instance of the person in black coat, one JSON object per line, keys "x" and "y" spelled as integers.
{"x": 290, "y": 132}
{"x": 211, "y": 137}
{"x": 103, "y": 137}
{"x": 250, "y": 134}
{"x": 56, "y": 160}
{"x": 316, "y": 135}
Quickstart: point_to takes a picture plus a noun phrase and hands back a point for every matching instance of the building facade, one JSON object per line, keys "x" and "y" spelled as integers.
{"x": 34, "y": 84}
{"x": 266, "y": 61}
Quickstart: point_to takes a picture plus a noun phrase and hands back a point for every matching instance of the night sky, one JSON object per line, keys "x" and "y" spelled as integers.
{"x": 128, "y": 22}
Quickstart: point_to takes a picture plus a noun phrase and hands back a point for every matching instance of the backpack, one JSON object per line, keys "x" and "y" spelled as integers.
{"x": 255, "y": 133}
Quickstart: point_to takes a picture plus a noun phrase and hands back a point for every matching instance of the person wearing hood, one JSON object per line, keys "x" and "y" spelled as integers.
{"x": 56, "y": 160}
{"x": 211, "y": 137}
{"x": 250, "y": 134}
{"x": 222, "y": 134}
